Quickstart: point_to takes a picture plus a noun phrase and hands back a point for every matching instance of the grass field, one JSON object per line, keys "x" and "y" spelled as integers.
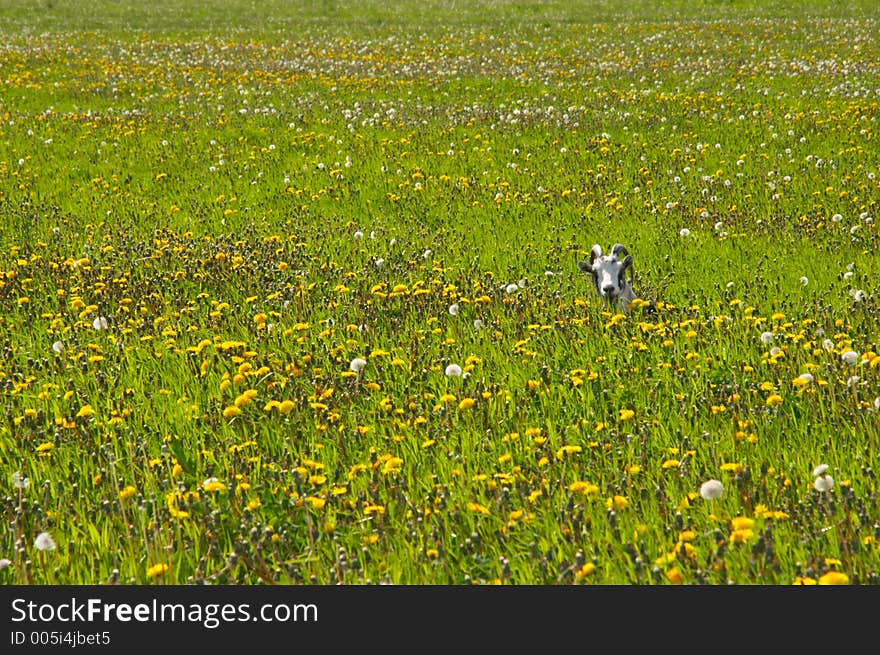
{"x": 290, "y": 292}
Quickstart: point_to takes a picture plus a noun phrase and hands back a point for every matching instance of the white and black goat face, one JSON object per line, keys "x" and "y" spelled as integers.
{"x": 609, "y": 274}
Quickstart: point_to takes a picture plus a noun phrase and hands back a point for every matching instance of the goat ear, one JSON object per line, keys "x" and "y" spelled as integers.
{"x": 595, "y": 251}
{"x": 627, "y": 262}
{"x": 585, "y": 267}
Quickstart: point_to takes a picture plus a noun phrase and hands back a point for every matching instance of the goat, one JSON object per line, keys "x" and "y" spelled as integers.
{"x": 609, "y": 274}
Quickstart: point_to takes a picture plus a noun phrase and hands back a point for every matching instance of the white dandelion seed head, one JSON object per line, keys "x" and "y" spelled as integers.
{"x": 852, "y": 381}
{"x": 357, "y": 364}
{"x": 426, "y": 254}
{"x": 823, "y": 483}
{"x": 100, "y": 323}
{"x": 58, "y": 347}
{"x": 850, "y": 357}
{"x": 511, "y": 288}
{"x": 44, "y": 541}
{"x": 4, "y": 563}
{"x": 358, "y": 235}
{"x": 877, "y": 404}
{"x": 684, "y": 232}
{"x": 836, "y": 218}
{"x": 806, "y": 377}
{"x": 19, "y": 481}
{"x": 379, "y": 262}
{"x": 828, "y": 344}
{"x": 454, "y": 309}
{"x": 804, "y": 281}
{"x": 819, "y": 470}
{"x": 478, "y": 324}
{"x": 858, "y": 295}
{"x": 775, "y": 350}
{"x": 392, "y": 242}
{"x": 766, "y": 337}
{"x": 847, "y": 275}
{"x": 453, "y": 371}
{"x": 711, "y": 489}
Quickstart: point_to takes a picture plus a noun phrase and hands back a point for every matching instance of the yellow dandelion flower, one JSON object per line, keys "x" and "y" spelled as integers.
{"x": 686, "y": 549}
{"x": 315, "y": 502}
{"x": 85, "y": 411}
{"x": 674, "y": 576}
{"x": 742, "y": 523}
{"x": 586, "y": 488}
{"x": 774, "y": 399}
{"x": 477, "y": 508}
{"x": 45, "y": 447}
{"x": 127, "y": 492}
{"x": 213, "y": 484}
{"x": 741, "y": 536}
{"x": 617, "y": 502}
{"x": 626, "y": 414}
{"x": 172, "y": 500}
{"x": 834, "y": 578}
{"x": 157, "y": 570}
{"x": 392, "y": 465}
{"x": 245, "y": 398}
{"x": 355, "y": 469}
{"x": 585, "y": 570}
{"x": 800, "y": 580}
{"x": 231, "y": 412}
{"x": 567, "y": 450}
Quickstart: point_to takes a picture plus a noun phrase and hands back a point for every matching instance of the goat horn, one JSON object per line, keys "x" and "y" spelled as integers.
{"x": 627, "y": 265}
{"x": 619, "y": 248}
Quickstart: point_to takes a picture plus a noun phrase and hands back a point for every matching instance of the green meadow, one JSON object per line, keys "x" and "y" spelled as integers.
{"x": 289, "y": 292}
